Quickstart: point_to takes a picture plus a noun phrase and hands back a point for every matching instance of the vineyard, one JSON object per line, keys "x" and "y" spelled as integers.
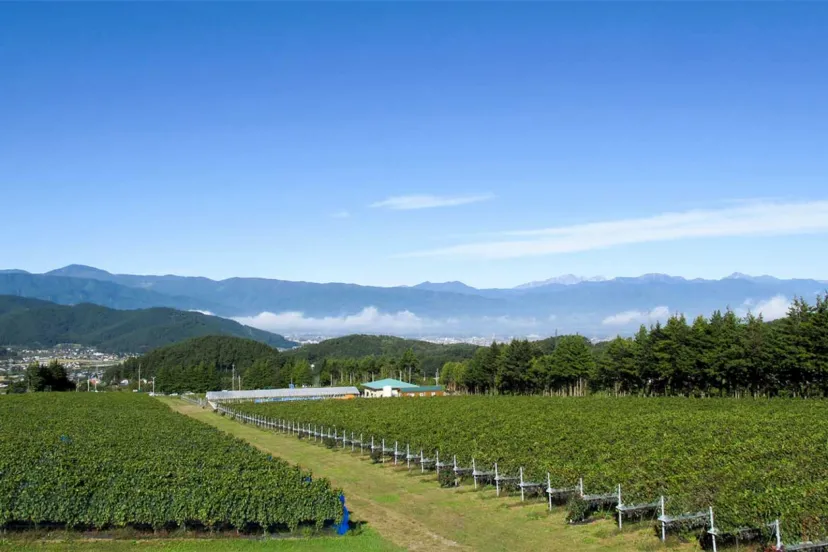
{"x": 114, "y": 460}
{"x": 752, "y": 460}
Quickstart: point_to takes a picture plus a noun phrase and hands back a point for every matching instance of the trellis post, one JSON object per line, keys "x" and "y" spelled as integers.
{"x": 497, "y": 481}
{"x": 474, "y": 472}
{"x": 521, "y": 484}
{"x": 712, "y": 529}
{"x": 549, "y": 489}
{"x": 663, "y": 525}
{"x": 619, "y": 506}
{"x": 778, "y": 534}
{"x": 395, "y": 453}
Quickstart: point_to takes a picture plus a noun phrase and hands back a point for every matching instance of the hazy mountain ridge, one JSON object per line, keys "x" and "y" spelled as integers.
{"x": 595, "y": 306}
{"x": 36, "y": 323}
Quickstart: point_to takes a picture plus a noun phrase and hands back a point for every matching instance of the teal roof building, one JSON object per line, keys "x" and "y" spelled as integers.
{"x": 388, "y": 382}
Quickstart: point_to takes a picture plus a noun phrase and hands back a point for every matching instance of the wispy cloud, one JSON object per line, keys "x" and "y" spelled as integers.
{"x": 771, "y": 309}
{"x": 369, "y": 319}
{"x": 750, "y": 219}
{"x": 409, "y": 202}
{"x": 341, "y": 214}
{"x": 639, "y": 317}
{"x": 372, "y": 320}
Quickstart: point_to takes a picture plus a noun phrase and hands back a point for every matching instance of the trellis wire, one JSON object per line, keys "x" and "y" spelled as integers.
{"x": 702, "y": 519}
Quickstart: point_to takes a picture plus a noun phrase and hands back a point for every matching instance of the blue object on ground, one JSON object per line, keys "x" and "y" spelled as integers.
{"x": 342, "y": 528}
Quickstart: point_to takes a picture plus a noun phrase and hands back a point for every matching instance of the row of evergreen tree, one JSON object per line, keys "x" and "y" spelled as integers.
{"x": 46, "y": 377}
{"x": 276, "y": 371}
{"x": 723, "y": 355}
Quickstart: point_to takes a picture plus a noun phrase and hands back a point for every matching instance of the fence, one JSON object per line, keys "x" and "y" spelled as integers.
{"x": 703, "y": 521}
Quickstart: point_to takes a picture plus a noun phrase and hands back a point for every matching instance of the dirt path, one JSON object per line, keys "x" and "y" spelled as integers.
{"x": 412, "y": 511}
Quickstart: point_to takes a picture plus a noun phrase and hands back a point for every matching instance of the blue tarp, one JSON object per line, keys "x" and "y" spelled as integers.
{"x": 342, "y": 528}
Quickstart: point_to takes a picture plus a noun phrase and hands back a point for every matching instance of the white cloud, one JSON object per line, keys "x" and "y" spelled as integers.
{"x": 341, "y": 215}
{"x": 405, "y": 203}
{"x": 770, "y": 309}
{"x": 750, "y": 219}
{"x": 638, "y": 317}
{"x": 369, "y": 319}
{"x": 206, "y": 312}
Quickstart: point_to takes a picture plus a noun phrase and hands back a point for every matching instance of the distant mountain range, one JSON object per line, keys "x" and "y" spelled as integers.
{"x": 566, "y": 280}
{"x": 35, "y": 323}
{"x": 594, "y": 306}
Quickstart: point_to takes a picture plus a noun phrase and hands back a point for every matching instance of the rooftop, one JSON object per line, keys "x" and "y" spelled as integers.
{"x": 299, "y": 392}
{"x": 423, "y": 388}
{"x": 388, "y": 382}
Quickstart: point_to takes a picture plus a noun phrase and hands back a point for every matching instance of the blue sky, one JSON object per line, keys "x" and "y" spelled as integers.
{"x": 283, "y": 140}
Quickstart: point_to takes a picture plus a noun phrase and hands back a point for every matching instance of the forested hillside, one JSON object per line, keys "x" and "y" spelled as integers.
{"x": 374, "y": 351}
{"x": 35, "y": 323}
{"x": 209, "y": 364}
{"x": 722, "y": 355}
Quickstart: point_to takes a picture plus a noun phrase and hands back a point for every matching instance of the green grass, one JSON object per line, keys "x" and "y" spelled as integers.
{"x": 367, "y": 541}
{"x": 413, "y": 512}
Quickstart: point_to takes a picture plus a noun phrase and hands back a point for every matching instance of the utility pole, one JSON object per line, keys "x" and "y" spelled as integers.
{"x": 139, "y": 377}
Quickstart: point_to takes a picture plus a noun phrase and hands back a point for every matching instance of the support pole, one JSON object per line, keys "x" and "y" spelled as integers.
{"x": 712, "y": 529}
{"x": 549, "y": 488}
{"x": 422, "y": 465}
{"x": 619, "y": 507}
{"x": 497, "y": 481}
{"x": 778, "y": 534}
{"x": 474, "y": 472}
{"x": 521, "y": 484}
{"x": 395, "y": 453}
{"x": 663, "y": 526}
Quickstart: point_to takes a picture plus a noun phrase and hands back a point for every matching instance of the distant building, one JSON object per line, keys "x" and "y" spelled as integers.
{"x": 396, "y": 388}
{"x": 294, "y": 394}
{"x": 423, "y": 391}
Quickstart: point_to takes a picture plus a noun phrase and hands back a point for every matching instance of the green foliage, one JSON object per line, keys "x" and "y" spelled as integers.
{"x": 446, "y": 478}
{"x": 48, "y": 377}
{"x": 430, "y": 356}
{"x": 31, "y": 322}
{"x": 577, "y": 509}
{"x": 722, "y": 356}
{"x": 752, "y": 460}
{"x": 118, "y": 459}
{"x": 200, "y": 364}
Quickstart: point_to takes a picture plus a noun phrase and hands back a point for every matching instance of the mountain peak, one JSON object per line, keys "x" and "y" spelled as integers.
{"x": 564, "y": 280}
{"x": 80, "y": 271}
{"x": 454, "y": 287}
{"x": 741, "y": 276}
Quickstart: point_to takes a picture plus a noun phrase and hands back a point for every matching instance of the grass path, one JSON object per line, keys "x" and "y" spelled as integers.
{"x": 413, "y": 512}
{"x": 367, "y": 541}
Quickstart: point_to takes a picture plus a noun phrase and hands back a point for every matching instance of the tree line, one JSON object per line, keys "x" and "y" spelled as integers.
{"x": 45, "y": 377}
{"x": 723, "y": 355}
